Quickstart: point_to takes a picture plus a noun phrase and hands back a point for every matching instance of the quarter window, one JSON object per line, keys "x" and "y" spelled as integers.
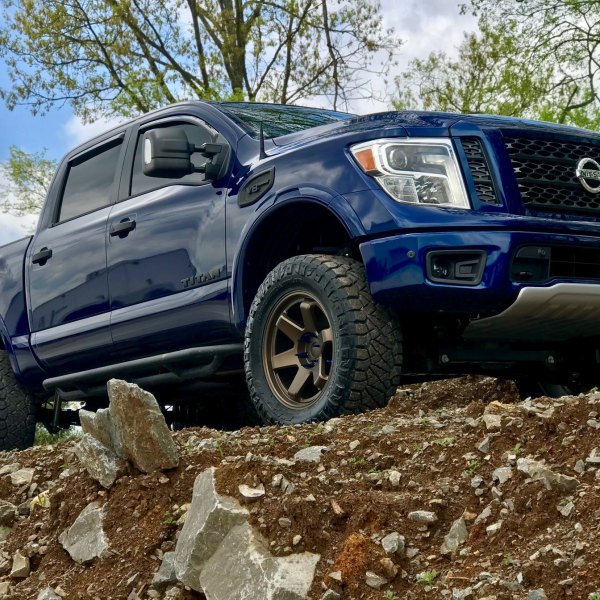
{"x": 90, "y": 182}
{"x": 141, "y": 183}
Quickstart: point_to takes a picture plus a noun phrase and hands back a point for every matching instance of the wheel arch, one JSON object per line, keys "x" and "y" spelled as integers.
{"x": 273, "y": 233}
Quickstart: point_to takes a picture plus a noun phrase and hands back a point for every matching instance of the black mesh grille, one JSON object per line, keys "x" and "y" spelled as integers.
{"x": 545, "y": 172}
{"x": 479, "y": 170}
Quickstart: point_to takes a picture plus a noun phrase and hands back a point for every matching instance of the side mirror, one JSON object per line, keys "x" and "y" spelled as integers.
{"x": 167, "y": 153}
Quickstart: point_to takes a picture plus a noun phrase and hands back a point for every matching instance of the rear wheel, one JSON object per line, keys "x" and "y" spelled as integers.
{"x": 17, "y": 410}
{"x": 317, "y": 345}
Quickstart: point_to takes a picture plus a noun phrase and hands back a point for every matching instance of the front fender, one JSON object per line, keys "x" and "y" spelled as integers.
{"x": 336, "y": 204}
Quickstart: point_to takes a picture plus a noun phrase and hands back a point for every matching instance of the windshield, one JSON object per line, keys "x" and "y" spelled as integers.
{"x": 278, "y": 119}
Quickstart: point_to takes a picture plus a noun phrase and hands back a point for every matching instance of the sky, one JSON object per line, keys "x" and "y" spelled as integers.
{"x": 423, "y": 25}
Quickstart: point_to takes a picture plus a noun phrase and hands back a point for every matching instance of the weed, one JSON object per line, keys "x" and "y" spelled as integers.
{"x": 516, "y": 450}
{"x": 427, "y": 577}
{"x": 472, "y": 467}
{"x": 389, "y": 595}
{"x": 169, "y": 519}
{"x": 44, "y": 438}
{"x": 594, "y": 596}
{"x": 445, "y": 442}
{"x": 508, "y": 560}
{"x": 356, "y": 460}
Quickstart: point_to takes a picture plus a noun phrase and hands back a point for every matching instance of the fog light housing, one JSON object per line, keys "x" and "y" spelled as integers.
{"x": 456, "y": 267}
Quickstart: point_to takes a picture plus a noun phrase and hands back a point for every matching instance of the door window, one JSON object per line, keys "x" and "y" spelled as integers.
{"x": 141, "y": 183}
{"x": 89, "y": 182}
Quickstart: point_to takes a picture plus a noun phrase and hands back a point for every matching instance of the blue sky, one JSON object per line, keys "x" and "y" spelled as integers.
{"x": 424, "y": 25}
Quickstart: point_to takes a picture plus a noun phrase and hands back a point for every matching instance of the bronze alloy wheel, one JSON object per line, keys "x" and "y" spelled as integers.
{"x": 298, "y": 349}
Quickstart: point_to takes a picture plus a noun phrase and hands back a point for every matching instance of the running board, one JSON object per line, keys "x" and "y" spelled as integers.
{"x": 174, "y": 367}
{"x": 557, "y": 313}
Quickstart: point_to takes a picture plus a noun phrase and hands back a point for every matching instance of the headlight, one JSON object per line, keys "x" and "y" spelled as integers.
{"x": 416, "y": 171}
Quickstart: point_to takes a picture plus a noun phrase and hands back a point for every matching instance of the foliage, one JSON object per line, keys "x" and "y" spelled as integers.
{"x": 44, "y": 438}
{"x": 427, "y": 577}
{"x": 28, "y": 177}
{"x": 533, "y": 58}
{"x": 123, "y": 57}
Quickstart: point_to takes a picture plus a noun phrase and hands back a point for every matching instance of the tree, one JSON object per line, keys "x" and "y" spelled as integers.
{"x": 123, "y": 57}
{"x": 488, "y": 76}
{"x": 533, "y": 58}
{"x": 28, "y": 179}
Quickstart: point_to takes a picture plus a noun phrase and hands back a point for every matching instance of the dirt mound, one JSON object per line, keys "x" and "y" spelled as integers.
{"x": 524, "y": 477}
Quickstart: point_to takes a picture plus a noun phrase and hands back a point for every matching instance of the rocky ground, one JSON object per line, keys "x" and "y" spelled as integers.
{"x": 456, "y": 490}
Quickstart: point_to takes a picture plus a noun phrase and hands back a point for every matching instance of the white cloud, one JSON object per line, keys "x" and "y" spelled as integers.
{"x": 79, "y": 132}
{"x": 423, "y": 27}
{"x": 13, "y": 228}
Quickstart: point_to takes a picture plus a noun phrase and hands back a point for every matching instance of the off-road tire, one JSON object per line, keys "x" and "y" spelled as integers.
{"x": 17, "y": 410}
{"x": 366, "y": 360}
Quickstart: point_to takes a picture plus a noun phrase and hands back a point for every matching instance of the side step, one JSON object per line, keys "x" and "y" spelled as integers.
{"x": 173, "y": 367}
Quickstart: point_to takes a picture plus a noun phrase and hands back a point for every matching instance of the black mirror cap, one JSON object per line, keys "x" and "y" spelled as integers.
{"x": 166, "y": 153}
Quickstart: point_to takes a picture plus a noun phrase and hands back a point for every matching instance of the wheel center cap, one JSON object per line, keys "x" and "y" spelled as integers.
{"x": 309, "y": 349}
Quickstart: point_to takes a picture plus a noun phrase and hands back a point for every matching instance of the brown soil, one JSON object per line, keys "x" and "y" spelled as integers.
{"x": 343, "y": 505}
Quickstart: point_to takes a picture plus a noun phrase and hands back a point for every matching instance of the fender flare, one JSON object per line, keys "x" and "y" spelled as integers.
{"x": 8, "y": 347}
{"x": 319, "y": 195}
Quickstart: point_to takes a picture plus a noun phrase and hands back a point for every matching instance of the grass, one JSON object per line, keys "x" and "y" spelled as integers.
{"x": 509, "y": 560}
{"x": 444, "y": 442}
{"x": 389, "y": 595}
{"x": 44, "y": 438}
{"x": 472, "y": 467}
{"x": 169, "y": 519}
{"x": 594, "y": 596}
{"x": 427, "y": 577}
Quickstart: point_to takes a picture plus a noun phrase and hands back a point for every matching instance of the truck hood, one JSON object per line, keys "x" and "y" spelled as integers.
{"x": 424, "y": 123}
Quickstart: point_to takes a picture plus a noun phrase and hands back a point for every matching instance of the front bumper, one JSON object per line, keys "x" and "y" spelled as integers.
{"x": 396, "y": 269}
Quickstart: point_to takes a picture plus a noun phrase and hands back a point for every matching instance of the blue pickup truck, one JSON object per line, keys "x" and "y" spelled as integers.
{"x": 325, "y": 255}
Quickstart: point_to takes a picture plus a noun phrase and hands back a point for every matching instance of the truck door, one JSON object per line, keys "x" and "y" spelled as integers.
{"x": 167, "y": 277}
{"x": 66, "y": 265}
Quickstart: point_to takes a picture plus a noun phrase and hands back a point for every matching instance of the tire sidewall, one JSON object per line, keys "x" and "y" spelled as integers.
{"x": 334, "y": 392}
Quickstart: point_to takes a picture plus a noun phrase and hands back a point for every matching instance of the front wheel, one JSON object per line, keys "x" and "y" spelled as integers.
{"x": 17, "y": 410}
{"x": 317, "y": 346}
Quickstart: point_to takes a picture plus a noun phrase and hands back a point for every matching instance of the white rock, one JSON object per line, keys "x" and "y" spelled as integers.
{"x": 22, "y": 477}
{"x": 393, "y": 543}
{"x": 494, "y": 528}
{"x": 457, "y": 535}
{"x": 394, "y": 478}
{"x": 139, "y": 425}
{"x": 85, "y": 539}
{"x": 310, "y": 454}
{"x": 252, "y": 493}
{"x": 219, "y": 554}
{"x": 48, "y": 594}
{"x": 422, "y": 516}
{"x": 102, "y": 464}
{"x": 375, "y": 581}
{"x": 502, "y": 474}
{"x": 492, "y": 422}
{"x": 20, "y": 566}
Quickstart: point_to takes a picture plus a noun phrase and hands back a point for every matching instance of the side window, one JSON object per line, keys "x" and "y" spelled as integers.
{"x": 89, "y": 182}
{"x": 141, "y": 183}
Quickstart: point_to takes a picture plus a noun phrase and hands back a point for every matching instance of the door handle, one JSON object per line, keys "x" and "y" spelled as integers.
{"x": 41, "y": 257}
{"x": 122, "y": 228}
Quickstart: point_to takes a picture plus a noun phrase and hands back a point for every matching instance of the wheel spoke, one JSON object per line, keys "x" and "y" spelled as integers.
{"x": 289, "y": 327}
{"x": 319, "y": 374}
{"x": 307, "y": 309}
{"x": 285, "y": 359}
{"x": 298, "y": 383}
{"x": 327, "y": 335}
